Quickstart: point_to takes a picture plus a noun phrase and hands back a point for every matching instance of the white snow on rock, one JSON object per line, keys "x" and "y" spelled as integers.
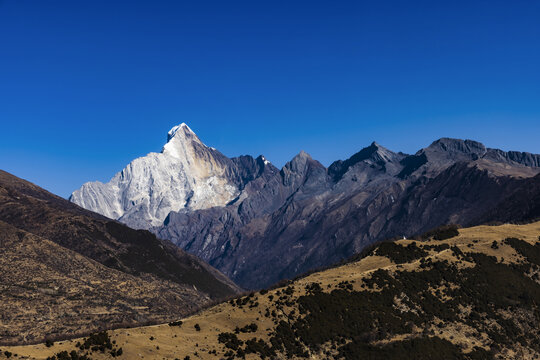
{"x": 186, "y": 175}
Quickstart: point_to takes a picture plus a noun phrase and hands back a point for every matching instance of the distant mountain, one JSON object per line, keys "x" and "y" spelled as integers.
{"x": 280, "y": 223}
{"x": 74, "y": 271}
{"x": 186, "y": 175}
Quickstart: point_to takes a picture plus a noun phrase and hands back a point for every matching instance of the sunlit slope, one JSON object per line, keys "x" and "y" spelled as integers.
{"x": 472, "y": 296}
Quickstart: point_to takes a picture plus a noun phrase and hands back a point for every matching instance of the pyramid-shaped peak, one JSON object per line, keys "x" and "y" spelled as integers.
{"x": 180, "y": 139}
{"x": 299, "y": 161}
{"x": 182, "y": 129}
{"x": 304, "y": 155}
{"x": 374, "y": 154}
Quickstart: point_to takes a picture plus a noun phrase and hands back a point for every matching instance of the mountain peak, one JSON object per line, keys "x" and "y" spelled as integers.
{"x": 458, "y": 145}
{"x": 374, "y": 154}
{"x": 181, "y": 129}
{"x": 186, "y": 174}
{"x": 299, "y": 161}
{"x": 454, "y": 150}
{"x": 179, "y": 139}
{"x": 303, "y": 155}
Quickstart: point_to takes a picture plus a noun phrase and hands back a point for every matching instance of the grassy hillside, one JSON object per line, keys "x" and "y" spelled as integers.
{"x": 472, "y": 296}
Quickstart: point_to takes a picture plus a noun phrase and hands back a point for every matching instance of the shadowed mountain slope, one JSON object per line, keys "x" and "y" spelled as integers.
{"x": 306, "y": 216}
{"x": 60, "y": 261}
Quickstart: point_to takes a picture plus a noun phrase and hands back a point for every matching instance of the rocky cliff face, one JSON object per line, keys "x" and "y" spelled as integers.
{"x": 306, "y": 216}
{"x": 280, "y": 223}
{"x": 186, "y": 175}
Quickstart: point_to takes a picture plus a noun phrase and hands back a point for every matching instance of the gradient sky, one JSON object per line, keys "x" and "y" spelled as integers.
{"x": 87, "y": 86}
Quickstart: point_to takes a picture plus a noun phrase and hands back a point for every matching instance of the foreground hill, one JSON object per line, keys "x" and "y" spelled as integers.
{"x": 259, "y": 224}
{"x": 470, "y": 296}
{"x": 65, "y": 270}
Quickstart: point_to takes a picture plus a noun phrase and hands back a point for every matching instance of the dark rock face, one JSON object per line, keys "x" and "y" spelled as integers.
{"x": 519, "y": 204}
{"x": 305, "y": 216}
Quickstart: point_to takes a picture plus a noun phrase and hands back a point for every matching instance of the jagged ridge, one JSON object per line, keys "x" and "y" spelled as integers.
{"x": 279, "y": 223}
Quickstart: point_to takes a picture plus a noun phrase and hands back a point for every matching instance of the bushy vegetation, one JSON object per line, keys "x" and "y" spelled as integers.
{"x": 246, "y": 329}
{"x": 258, "y": 346}
{"x": 250, "y": 300}
{"x": 313, "y": 288}
{"x": 400, "y": 254}
{"x": 441, "y": 233}
{"x": 427, "y": 348}
{"x": 96, "y": 342}
{"x": 528, "y": 251}
{"x": 230, "y": 340}
{"x": 344, "y": 323}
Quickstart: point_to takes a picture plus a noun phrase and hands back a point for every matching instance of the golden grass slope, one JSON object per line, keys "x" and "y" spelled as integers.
{"x": 177, "y": 342}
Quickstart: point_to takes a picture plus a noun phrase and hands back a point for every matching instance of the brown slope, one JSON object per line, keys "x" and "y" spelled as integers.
{"x": 458, "y": 298}
{"x": 50, "y": 291}
{"x": 117, "y": 248}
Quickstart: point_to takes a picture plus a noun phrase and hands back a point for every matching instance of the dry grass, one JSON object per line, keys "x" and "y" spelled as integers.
{"x": 177, "y": 342}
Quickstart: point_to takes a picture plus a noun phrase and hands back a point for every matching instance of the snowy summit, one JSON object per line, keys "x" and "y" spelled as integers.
{"x": 187, "y": 174}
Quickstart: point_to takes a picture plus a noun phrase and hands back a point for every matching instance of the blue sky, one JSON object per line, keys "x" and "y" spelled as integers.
{"x": 86, "y": 86}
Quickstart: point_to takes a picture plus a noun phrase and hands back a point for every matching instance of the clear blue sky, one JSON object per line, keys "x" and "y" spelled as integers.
{"x": 86, "y": 86}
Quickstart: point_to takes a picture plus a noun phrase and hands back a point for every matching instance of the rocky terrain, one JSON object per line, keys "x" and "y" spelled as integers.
{"x": 277, "y": 224}
{"x": 65, "y": 270}
{"x": 186, "y": 175}
{"x": 450, "y": 294}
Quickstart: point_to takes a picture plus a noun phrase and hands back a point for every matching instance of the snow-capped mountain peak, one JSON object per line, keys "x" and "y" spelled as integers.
{"x": 184, "y": 130}
{"x": 186, "y": 174}
{"x": 180, "y": 141}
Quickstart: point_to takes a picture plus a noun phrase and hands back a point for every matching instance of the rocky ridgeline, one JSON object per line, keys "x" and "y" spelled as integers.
{"x": 259, "y": 224}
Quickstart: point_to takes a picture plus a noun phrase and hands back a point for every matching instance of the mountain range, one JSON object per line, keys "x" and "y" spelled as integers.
{"x": 259, "y": 224}
{"x": 466, "y": 293}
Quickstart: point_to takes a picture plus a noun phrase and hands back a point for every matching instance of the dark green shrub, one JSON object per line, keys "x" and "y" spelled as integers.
{"x": 441, "y": 233}
{"x": 230, "y": 340}
{"x": 400, "y": 254}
